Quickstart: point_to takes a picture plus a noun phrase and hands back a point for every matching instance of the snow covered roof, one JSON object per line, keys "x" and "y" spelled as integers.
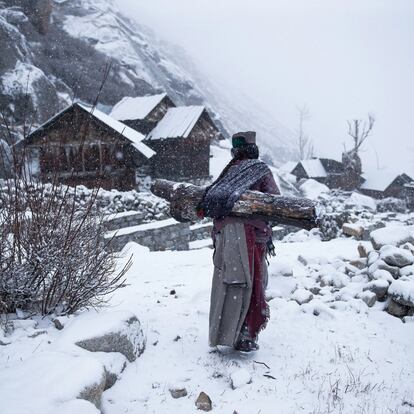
{"x": 130, "y": 108}
{"x": 379, "y": 180}
{"x": 177, "y": 122}
{"x": 130, "y": 134}
{"x": 314, "y": 168}
{"x": 288, "y": 167}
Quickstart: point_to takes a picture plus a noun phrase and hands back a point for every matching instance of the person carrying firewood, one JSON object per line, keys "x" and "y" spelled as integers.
{"x": 238, "y": 309}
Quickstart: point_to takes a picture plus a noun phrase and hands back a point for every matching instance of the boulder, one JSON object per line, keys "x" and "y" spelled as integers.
{"x": 381, "y": 265}
{"x": 381, "y": 274}
{"x": 395, "y": 309}
{"x": 394, "y": 235}
{"x": 395, "y": 256}
{"x": 407, "y": 271}
{"x": 378, "y": 287}
{"x": 353, "y": 230}
{"x": 368, "y": 297}
{"x": 203, "y": 402}
{"x": 52, "y": 378}
{"x": 402, "y": 291}
{"x": 107, "y": 332}
{"x": 363, "y": 251}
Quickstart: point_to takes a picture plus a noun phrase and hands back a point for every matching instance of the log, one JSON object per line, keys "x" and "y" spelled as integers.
{"x": 184, "y": 199}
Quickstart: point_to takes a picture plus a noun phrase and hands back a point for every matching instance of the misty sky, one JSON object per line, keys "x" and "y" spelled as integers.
{"x": 342, "y": 59}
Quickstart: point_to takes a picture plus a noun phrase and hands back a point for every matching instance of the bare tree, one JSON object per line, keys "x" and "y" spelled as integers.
{"x": 360, "y": 130}
{"x": 305, "y": 144}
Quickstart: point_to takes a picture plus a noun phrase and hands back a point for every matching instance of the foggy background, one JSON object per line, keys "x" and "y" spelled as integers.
{"x": 342, "y": 59}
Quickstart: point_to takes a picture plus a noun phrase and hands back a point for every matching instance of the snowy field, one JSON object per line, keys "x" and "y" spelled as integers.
{"x": 327, "y": 356}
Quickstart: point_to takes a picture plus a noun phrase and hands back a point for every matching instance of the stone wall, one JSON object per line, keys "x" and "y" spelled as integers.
{"x": 157, "y": 236}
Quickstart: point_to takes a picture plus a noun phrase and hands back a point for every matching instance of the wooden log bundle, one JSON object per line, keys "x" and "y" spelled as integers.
{"x": 184, "y": 199}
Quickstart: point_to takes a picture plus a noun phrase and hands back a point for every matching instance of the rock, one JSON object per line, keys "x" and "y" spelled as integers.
{"x": 178, "y": 392}
{"x": 351, "y": 270}
{"x": 381, "y": 274}
{"x": 203, "y": 402}
{"x": 58, "y": 324}
{"x": 368, "y": 297}
{"x": 378, "y": 287}
{"x": 315, "y": 290}
{"x": 395, "y": 309}
{"x": 407, "y": 271}
{"x": 239, "y": 378}
{"x": 394, "y": 256}
{"x": 394, "y": 235}
{"x": 114, "y": 364}
{"x": 370, "y": 228}
{"x": 302, "y": 296}
{"x": 381, "y": 265}
{"x": 93, "y": 393}
{"x": 402, "y": 291}
{"x": 53, "y": 377}
{"x": 362, "y": 250}
{"x": 359, "y": 263}
{"x": 302, "y": 260}
{"x": 353, "y": 230}
{"x": 409, "y": 247}
{"x": 107, "y": 332}
{"x": 373, "y": 256}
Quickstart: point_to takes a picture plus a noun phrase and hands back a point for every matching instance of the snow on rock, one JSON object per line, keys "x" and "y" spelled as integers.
{"x": 114, "y": 364}
{"x": 402, "y": 291}
{"x": 353, "y": 230}
{"x": 395, "y": 256}
{"x": 114, "y": 331}
{"x": 407, "y": 271}
{"x": 379, "y": 287}
{"x": 302, "y": 296}
{"x": 313, "y": 189}
{"x": 50, "y": 381}
{"x": 361, "y": 201}
{"x": 394, "y": 235}
{"x": 240, "y": 377}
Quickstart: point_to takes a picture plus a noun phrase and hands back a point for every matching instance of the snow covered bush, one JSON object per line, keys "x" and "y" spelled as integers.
{"x": 53, "y": 256}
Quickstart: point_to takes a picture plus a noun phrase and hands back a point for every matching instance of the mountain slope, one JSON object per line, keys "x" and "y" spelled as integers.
{"x": 56, "y": 51}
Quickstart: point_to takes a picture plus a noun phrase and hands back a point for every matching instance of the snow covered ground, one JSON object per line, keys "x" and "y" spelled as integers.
{"x": 325, "y": 356}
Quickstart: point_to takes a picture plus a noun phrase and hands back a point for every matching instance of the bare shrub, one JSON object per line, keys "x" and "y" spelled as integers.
{"x": 53, "y": 254}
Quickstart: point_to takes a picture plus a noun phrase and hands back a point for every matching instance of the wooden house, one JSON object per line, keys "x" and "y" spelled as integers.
{"x": 409, "y": 195}
{"x": 142, "y": 113}
{"x": 327, "y": 171}
{"x": 82, "y": 145}
{"x": 181, "y": 141}
{"x": 383, "y": 184}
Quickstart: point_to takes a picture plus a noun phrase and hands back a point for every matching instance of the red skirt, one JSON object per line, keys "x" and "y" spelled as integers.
{"x": 258, "y": 313}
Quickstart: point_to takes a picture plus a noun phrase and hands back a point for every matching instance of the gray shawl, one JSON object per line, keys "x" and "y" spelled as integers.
{"x": 236, "y": 179}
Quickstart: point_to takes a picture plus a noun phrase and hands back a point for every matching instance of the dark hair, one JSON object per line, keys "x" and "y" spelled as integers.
{"x": 249, "y": 151}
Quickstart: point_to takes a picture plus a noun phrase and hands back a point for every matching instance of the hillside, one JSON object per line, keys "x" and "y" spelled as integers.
{"x": 55, "y": 51}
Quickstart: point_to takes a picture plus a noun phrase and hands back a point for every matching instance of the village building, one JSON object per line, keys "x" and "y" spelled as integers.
{"x": 409, "y": 195}
{"x": 142, "y": 113}
{"x": 82, "y": 145}
{"x": 383, "y": 184}
{"x": 182, "y": 141}
{"x": 324, "y": 170}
